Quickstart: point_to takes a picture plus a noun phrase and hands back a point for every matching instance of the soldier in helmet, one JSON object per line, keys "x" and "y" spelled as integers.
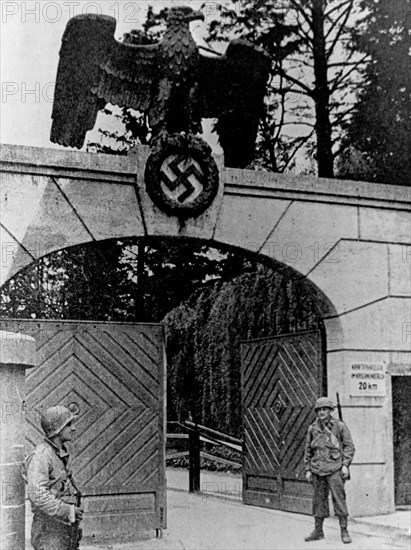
{"x": 329, "y": 450}
{"x": 51, "y": 488}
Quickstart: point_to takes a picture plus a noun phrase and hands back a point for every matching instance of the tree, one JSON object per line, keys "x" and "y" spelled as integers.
{"x": 312, "y": 71}
{"x": 377, "y": 142}
{"x": 83, "y": 282}
{"x": 204, "y": 335}
{"x": 139, "y": 280}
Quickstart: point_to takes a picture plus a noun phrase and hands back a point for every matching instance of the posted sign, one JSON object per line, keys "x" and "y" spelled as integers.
{"x": 368, "y": 379}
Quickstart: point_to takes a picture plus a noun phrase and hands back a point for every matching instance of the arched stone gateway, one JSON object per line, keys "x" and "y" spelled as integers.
{"x": 349, "y": 240}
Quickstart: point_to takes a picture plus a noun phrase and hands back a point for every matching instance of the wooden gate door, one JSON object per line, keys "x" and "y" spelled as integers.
{"x": 281, "y": 379}
{"x": 113, "y": 375}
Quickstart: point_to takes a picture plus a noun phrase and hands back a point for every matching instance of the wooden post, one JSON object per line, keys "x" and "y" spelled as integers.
{"x": 194, "y": 457}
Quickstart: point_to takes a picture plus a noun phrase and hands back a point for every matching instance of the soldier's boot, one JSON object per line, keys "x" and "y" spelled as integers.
{"x": 318, "y": 532}
{"x": 345, "y": 536}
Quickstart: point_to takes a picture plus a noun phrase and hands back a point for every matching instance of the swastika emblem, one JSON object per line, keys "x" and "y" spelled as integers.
{"x": 181, "y": 176}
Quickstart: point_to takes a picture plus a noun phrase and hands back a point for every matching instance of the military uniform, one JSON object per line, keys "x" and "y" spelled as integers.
{"x": 328, "y": 449}
{"x": 53, "y": 497}
{"x": 51, "y": 488}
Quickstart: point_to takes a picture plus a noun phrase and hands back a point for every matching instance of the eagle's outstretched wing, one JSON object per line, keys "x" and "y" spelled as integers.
{"x": 96, "y": 69}
{"x": 129, "y": 76}
{"x": 232, "y": 88}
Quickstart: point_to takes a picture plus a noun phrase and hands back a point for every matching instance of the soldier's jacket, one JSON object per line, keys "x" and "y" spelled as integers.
{"x": 328, "y": 448}
{"x": 49, "y": 486}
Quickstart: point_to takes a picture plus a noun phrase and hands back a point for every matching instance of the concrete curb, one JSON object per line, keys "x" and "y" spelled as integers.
{"x": 392, "y": 530}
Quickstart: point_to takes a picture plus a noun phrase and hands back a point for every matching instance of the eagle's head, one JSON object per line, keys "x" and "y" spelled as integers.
{"x": 183, "y": 14}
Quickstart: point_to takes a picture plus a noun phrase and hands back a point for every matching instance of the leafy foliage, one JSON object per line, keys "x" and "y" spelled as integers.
{"x": 204, "y": 335}
{"x": 115, "y": 280}
{"x": 378, "y": 138}
{"x": 340, "y": 85}
{"x": 313, "y": 74}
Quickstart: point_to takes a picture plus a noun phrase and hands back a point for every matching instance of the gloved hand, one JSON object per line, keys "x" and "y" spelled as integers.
{"x": 344, "y": 472}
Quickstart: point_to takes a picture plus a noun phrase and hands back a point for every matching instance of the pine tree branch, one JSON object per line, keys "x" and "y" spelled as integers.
{"x": 269, "y": 146}
{"x": 303, "y": 86}
{"x": 337, "y": 6}
{"x": 336, "y": 83}
{"x": 301, "y": 141}
{"x": 297, "y": 123}
{"x": 343, "y": 15}
{"x": 281, "y": 122}
{"x": 303, "y": 34}
{"x": 342, "y": 28}
{"x": 340, "y": 116}
{"x": 301, "y": 61}
{"x": 300, "y": 9}
{"x": 345, "y": 63}
{"x": 285, "y": 90}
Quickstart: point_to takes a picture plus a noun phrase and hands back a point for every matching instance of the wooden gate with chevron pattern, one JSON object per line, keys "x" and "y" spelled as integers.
{"x": 113, "y": 375}
{"x": 281, "y": 379}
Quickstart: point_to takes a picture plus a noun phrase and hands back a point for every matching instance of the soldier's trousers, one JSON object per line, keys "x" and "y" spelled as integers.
{"x": 49, "y": 534}
{"x": 322, "y": 486}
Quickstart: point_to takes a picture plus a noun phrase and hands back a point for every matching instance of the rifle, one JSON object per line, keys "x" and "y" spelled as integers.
{"x": 340, "y": 416}
{"x": 77, "y": 532}
{"x": 339, "y": 407}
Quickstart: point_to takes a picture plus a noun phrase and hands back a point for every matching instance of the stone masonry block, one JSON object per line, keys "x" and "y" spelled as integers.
{"x": 246, "y": 221}
{"x": 358, "y": 276}
{"x": 55, "y": 224}
{"x": 399, "y": 269}
{"x": 309, "y": 231}
{"x": 20, "y": 198}
{"x": 109, "y": 210}
{"x": 13, "y": 257}
{"x": 384, "y": 326}
{"x": 385, "y": 225}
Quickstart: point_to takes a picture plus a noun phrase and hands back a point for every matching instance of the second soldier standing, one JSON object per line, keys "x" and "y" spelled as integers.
{"x": 329, "y": 450}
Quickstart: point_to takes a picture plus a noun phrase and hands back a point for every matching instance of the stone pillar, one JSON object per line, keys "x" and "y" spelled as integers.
{"x": 17, "y": 353}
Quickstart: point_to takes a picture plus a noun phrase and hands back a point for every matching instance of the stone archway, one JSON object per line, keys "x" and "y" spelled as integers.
{"x": 349, "y": 240}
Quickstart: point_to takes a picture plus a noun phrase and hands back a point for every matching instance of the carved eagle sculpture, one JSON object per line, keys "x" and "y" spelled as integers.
{"x": 170, "y": 81}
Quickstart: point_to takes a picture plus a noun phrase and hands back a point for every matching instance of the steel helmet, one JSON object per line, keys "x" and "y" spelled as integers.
{"x": 324, "y": 402}
{"x": 54, "y": 419}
